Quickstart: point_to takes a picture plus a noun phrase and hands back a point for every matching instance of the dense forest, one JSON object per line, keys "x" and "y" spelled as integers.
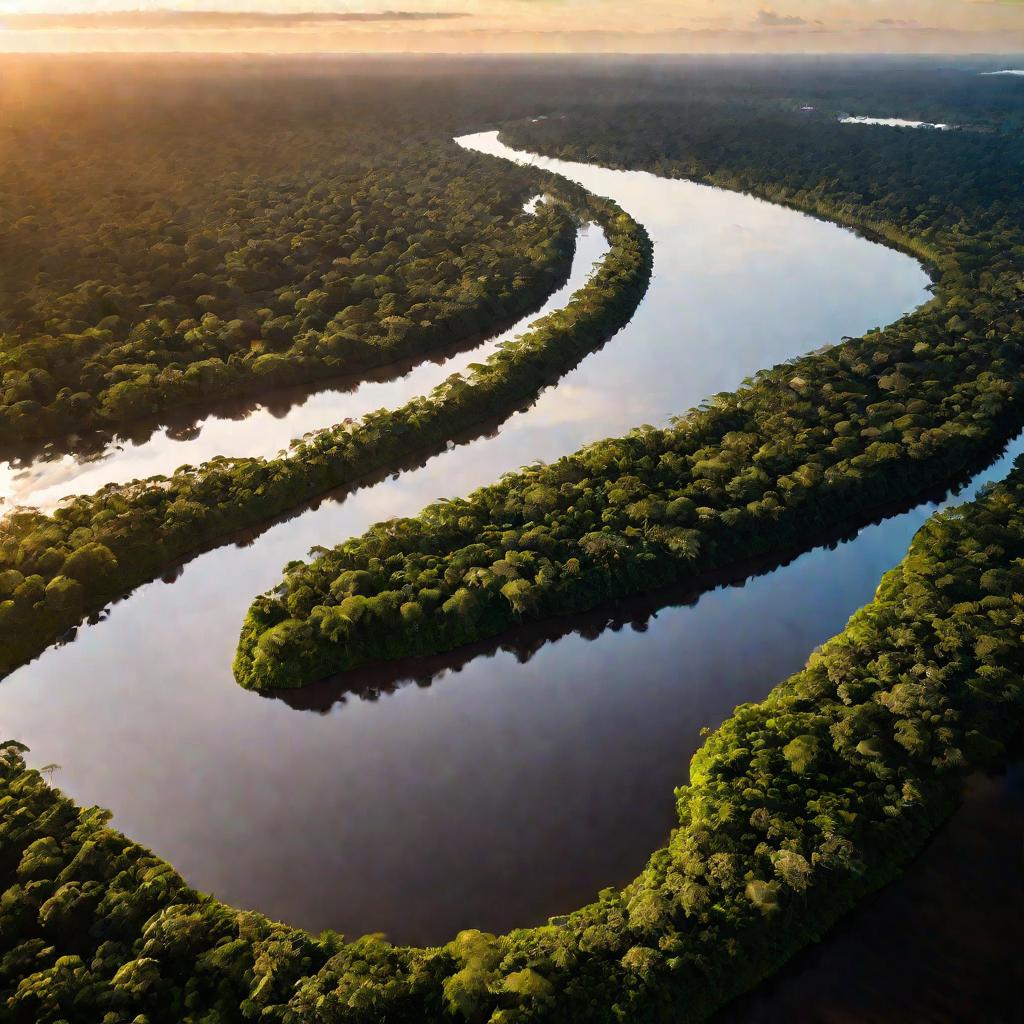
{"x": 795, "y": 808}
{"x": 179, "y": 262}
{"x": 208, "y": 247}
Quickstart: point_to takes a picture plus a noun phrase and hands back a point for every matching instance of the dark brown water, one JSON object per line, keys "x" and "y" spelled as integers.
{"x": 495, "y": 791}
{"x": 940, "y": 945}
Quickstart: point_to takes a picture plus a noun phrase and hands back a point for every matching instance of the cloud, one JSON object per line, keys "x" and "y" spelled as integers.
{"x": 767, "y": 18}
{"x": 175, "y": 19}
{"x": 897, "y": 23}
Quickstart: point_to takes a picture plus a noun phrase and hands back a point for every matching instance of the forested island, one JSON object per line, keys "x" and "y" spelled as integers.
{"x": 287, "y": 243}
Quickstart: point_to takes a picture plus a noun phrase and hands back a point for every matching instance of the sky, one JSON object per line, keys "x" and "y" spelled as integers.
{"x": 515, "y": 26}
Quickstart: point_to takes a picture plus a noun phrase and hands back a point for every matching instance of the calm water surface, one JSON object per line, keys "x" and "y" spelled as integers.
{"x": 513, "y": 784}
{"x": 262, "y": 428}
{"x": 940, "y": 946}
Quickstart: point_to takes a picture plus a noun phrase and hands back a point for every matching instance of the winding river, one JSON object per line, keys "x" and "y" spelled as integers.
{"x": 500, "y": 786}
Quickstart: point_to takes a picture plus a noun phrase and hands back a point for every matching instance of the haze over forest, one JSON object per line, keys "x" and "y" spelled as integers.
{"x": 515, "y": 26}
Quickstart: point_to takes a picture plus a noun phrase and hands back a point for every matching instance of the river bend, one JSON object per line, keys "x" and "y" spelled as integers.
{"x": 491, "y": 790}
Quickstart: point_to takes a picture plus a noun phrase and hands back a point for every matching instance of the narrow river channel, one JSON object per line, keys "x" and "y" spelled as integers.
{"x": 501, "y": 786}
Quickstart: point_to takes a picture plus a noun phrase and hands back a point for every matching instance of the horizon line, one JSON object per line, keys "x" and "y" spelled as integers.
{"x": 987, "y": 54}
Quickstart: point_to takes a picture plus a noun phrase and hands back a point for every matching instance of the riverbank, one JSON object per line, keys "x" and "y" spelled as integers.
{"x": 796, "y": 808}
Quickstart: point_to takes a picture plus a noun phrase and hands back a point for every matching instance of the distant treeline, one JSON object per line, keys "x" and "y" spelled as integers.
{"x": 795, "y": 808}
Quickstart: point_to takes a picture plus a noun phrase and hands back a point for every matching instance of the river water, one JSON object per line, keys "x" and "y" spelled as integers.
{"x": 261, "y": 427}
{"x": 503, "y": 785}
{"x": 939, "y": 946}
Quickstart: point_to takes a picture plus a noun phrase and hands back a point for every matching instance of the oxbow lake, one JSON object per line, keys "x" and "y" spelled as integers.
{"x": 504, "y": 784}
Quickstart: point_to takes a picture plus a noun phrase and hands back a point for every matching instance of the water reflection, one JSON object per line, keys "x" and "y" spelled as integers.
{"x": 262, "y": 427}
{"x": 940, "y": 944}
{"x": 370, "y": 682}
{"x": 505, "y": 791}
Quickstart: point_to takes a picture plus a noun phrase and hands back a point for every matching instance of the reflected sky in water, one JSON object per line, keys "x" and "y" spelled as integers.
{"x": 265, "y": 427}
